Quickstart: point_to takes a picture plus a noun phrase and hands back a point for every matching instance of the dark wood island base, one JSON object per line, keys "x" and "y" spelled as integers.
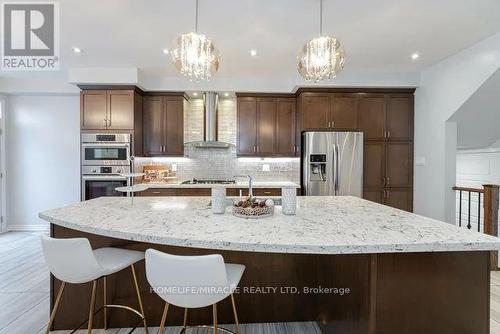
{"x": 445, "y": 292}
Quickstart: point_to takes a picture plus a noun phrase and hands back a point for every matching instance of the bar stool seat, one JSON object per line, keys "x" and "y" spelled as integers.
{"x": 73, "y": 261}
{"x": 234, "y": 273}
{"x": 113, "y": 260}
{"x": 208, "y": 280}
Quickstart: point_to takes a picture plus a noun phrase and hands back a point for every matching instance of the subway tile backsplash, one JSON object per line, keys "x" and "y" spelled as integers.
{"x": 223, "y": 164}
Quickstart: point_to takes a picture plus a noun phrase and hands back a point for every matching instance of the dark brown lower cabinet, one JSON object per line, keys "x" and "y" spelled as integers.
{"x": 399, "y": 198}
{"x": 256, "y": 191}
{"x": 208, "y": 192}
{"x": 159, "y": 192}
{"x": 194, "y": 192}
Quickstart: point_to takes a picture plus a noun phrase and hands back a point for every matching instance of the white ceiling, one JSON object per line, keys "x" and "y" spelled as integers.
{"x": 379, "y": 36}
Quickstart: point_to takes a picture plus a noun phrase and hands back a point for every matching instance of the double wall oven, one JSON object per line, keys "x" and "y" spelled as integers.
{"x": 104, "y": 158}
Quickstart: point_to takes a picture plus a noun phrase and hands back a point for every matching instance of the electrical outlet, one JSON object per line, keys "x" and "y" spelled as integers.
{"x": 266, "y": 168}
{"x": 174, "y": 167}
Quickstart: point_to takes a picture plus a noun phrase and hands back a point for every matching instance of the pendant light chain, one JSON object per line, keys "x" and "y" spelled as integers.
{"x": 320, "y": 17}
{"x": 321, "y": 58}
{"x": 195, "y": 55}
{"x": 196, "y": 24}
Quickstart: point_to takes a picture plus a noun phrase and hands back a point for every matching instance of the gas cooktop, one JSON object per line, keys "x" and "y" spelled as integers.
{"x": 196, "y": 181}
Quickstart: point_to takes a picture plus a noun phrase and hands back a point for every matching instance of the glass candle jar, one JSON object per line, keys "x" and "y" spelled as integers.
{"x": 289, "y": 200}
{"x": 218, "y": 200}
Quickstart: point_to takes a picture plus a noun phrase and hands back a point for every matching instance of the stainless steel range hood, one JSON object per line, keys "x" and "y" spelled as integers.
{"x": 210, "y": 133}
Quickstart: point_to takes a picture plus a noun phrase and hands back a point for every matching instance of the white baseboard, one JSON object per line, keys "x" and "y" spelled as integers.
{"x": 28, "y": 228}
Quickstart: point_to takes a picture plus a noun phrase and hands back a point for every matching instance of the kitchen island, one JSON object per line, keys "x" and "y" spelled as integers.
{"x": 350, "y": 264}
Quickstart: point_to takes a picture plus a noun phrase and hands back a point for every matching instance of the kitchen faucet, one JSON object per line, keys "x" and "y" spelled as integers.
{"x": 250, "y": 180}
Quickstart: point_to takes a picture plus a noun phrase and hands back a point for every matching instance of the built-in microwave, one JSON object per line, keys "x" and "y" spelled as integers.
{"x": 105, "y": 149}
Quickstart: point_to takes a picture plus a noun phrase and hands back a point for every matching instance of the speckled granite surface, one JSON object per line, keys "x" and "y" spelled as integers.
{"x": 323, "y": 225}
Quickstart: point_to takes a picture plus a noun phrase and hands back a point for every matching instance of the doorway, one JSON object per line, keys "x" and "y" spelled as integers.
{"x": 3, "y": 223}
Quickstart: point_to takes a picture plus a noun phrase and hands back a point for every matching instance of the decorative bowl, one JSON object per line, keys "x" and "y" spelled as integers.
{"x": 258, "y": 211}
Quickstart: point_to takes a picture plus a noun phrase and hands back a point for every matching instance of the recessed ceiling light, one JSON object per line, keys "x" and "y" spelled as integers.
{"x": 77, "y": 50}
{"x": 165, "y": 51}
{"x": 195, "y": 94}
{"x": 226, "y": 94}
{"x": 253, "y": 52}
{"x": 415, "y": 56}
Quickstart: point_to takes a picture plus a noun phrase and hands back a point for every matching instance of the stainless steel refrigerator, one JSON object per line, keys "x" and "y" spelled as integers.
{"x": 332, "y": 163}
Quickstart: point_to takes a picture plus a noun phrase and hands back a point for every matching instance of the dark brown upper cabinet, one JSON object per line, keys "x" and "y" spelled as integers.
{"x": 93, "y": 108}
{"x": 344, "y": 112}
{"x": 247, "y": 126}
{"x": 371, "y": 116}
{"x": 107, "y": 109}
{"x": 386, "y": 116}
{"x": 163, "y": 125}
{"x": 399, "y": 118}
{"x": 314, "y": 111}
{"x": 153, "y": 124}
{"x": 327, "y": 111}
{"x": 266, "y": 126}
{"x": 286, "y": 127}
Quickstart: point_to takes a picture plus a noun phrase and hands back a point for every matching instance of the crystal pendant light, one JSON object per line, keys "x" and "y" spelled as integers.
{"x": 195, "y": 56}
{"x": 322, "y": 57}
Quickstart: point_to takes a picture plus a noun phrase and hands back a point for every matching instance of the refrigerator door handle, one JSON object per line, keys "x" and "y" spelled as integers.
{"x": 337, "y": 167}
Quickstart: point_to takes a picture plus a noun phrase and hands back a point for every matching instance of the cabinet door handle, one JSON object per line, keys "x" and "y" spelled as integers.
{"x": 333, "y": 124}
{"x": 387, "y": 194}
{"x": 105, "y": 122}
{"x": 388, "y": 134}
{"x": 383, "y": 181}
{"x": 388, "y": 180}
{"x": 329, "y": 124}
{"x": 109, "y": 122}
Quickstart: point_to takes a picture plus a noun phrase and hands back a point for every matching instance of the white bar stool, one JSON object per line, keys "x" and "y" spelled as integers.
{"x": 193, "y": 282}
{"x": 73, "y": 261}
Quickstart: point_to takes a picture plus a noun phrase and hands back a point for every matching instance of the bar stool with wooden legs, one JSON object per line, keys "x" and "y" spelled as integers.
{"x": 193, "y": 282}
{"x": 73, "y": 261}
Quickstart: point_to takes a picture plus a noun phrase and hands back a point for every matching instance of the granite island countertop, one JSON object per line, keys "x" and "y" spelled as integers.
{"x": 322, "y": 225}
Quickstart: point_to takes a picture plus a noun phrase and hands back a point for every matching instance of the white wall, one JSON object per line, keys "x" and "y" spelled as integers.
{"x": 42, "y": 170}
{"x": 443, "y": 89}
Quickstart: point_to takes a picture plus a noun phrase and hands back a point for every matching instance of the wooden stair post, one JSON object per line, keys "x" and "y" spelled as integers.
{"x": 490, "y": 203}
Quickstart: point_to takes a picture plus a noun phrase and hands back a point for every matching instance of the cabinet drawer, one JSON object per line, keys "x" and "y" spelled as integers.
{"x": 256, "y": 191}
{"x": 194, "y": 192}
{"x": 159, "y": 192}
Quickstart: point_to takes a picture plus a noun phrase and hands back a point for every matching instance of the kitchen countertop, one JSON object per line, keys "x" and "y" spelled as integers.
{"x": 323, "y": 225}
{"x": 255, "y": 184}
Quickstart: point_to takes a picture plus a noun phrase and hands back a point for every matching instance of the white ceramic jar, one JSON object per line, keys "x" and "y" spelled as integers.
{"x": 289, "y": 200}
{"x": 218, "y": 200}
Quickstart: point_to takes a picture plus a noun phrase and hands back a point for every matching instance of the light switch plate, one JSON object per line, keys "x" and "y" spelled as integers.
{"x": 419, "y": 161}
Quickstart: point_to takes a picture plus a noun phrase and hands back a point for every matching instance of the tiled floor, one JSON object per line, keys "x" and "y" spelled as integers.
{"x": 24, "y": 294}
